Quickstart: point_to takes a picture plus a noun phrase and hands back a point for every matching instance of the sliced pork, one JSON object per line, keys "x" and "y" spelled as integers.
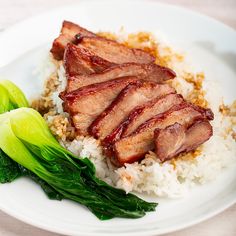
{"x": 80, "y": 61}
{"x": 67, "y": 35}
{"x": 177, "y": 138}
{"x": 140, "y": 114}
{"x": 128, "y": 99}
{"x": 114, "y": 51}
{"x": 86, "y": 103}
{"x": 150, "y": 72}
{"x": 135, "y": 146}
{"x": 118, "y": 94}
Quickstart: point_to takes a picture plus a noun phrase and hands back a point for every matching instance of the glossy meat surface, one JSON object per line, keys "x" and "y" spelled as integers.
{"x": 147, "y": 72}
{"x": 177, "y": 138}
{"x": 128, "y": 99}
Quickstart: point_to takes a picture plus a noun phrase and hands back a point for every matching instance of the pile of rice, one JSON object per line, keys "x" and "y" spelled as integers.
{"x": 171, "y": 178}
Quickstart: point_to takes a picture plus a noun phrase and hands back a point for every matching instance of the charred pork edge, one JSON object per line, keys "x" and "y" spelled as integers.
{"x": 118, "y": 132}
{"x": 96, "y": 63}
{"x": 58, "y": 46}
{"x": 143, "y": 71}
{"x": 117, "y": 44}
{"x": 160, "y": 117}
{"x": 123, "y": 93}
{"x": 206, "y": 113}
{"x": 186, "y": 127}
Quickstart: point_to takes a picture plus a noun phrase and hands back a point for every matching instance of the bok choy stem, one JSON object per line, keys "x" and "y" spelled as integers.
{"x": 11, "y": 97}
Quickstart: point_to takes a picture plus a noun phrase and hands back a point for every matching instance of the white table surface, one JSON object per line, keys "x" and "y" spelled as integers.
{"x": 12, "y": 11}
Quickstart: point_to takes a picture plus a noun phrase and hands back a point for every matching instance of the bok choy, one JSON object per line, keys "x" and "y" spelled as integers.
{"x": 27, "y": 140}
{"x": 11, "y": 97}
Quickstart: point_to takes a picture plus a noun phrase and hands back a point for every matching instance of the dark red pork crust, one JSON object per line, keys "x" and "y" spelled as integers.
{"x": 147, "y": 72}
{"x": 205, "y": 114}
{"x": 176, "y": 130}
{"x": 135, "y": 113}
{"x": 67, "y": 35}
{"x": 115, "y": 51}
{"x": 150, "y": 124}
{"x": 95, "y": 127}
{"x": 71, "y": 97}
{"x": 80, "y": 61}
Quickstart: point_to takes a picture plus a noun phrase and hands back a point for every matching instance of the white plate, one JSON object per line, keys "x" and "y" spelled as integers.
{"x": 211, "y": 47}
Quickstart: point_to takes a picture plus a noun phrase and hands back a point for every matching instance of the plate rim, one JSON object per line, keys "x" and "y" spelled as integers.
{"x": 54, "y": 229}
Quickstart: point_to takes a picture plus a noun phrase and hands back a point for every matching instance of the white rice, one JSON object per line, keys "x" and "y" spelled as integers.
{"x": 150, "y": 176}
{"x": 62, "y": 84}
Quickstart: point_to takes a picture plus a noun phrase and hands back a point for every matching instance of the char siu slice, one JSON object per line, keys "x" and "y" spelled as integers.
{"x": 177, "y": 138}
{"x": 80, "y": 61}
{"x": 114, "y": 51}
{"x": 67, "y": 35}
{"x": 128, "y": 99}
{"x": 150, "y": 72}
{"x": 86, "y": 103}
{"x": 140, "y": 114}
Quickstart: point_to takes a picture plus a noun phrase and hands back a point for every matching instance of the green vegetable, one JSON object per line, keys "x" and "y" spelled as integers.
{"x": 48, "y": 190}
{"x": 27, "y": 140}
{"x": 11, "y": 170}
{"x": 11, "y": 97}
{"x": 16, "y": 98}
{"x": 5, "y": 104}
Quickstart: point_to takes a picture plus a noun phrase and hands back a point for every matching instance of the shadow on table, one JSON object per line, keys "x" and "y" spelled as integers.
{"x": 11, "y": 226}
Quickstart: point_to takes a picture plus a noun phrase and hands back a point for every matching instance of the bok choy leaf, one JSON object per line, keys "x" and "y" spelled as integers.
{"x": 9, "y": 169}
{"x": 11, "y": 97}
{"x": 16, "y": 97}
